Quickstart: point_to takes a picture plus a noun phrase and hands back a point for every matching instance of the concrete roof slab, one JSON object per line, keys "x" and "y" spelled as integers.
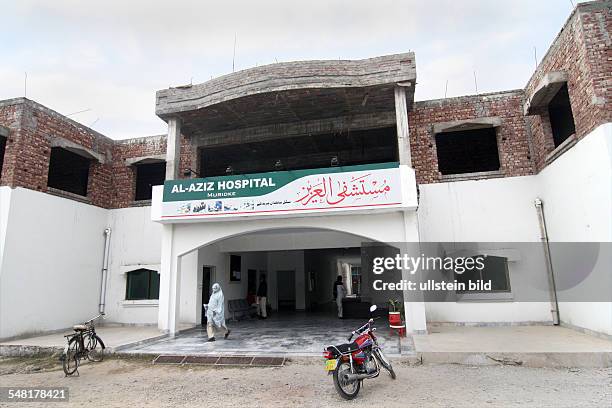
{"x": 289, "y": 92}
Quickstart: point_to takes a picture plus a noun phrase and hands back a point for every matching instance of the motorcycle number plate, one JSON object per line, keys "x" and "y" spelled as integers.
{"x": 330, "y": 365}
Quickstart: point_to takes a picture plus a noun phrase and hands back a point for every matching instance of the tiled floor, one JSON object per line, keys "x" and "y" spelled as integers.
{"x": 295, "y": 333}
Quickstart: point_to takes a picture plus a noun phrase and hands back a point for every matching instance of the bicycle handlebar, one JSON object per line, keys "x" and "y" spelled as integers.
{"x": 95, "y": 318}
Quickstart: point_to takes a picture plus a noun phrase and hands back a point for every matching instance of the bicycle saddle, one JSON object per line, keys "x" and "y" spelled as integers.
{"x": 79, "y": 327}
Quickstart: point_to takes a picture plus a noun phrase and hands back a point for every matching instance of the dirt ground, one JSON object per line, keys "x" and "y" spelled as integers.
{"x": 138, "y": 383}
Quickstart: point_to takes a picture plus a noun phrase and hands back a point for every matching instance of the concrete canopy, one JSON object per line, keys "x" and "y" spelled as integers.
{"x": 289, "y": 92}
{"x": 75, "y": 148}
{"x": 545, "y": 91}
{"x": 469, "y": 124}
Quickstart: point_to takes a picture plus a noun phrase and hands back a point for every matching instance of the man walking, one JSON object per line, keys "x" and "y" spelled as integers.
{"x": 262, "y": 298}
{"x": 339, "y": 293}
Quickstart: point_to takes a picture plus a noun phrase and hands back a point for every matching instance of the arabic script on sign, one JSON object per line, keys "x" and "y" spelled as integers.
{"x": 333, "y": 191}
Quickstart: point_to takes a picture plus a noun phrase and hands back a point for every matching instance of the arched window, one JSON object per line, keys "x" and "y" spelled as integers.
{"x": 142, "y": 284}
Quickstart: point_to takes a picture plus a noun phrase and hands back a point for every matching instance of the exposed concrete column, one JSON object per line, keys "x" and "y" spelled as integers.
{"x": 169, "y": 283}
{"x": 173, "y": 149}
{"x": 403, "y": 132}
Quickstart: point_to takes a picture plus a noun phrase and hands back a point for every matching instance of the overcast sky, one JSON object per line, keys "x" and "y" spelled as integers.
{"x": 111, "y": 56}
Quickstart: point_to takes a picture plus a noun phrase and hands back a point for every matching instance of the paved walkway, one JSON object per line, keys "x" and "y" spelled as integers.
{"x": 302, "y": 334}
{"x": 295, "y": 334}
{"x": 113, "y": 336}
{"x": 511, "y": 339}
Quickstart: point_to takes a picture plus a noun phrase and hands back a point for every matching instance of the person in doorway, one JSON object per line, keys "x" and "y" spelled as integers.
{"x": 339, "y": 293}
{"x": 262, "y": 298}
{"x": 215, "y": 313}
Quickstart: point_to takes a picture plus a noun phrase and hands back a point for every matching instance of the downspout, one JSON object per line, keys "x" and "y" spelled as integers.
{"x": 554, "y": 304}
{"x": 102, "y": 305}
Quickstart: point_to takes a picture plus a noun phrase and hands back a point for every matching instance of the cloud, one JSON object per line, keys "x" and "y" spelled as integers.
{"x": 113, "y": 55}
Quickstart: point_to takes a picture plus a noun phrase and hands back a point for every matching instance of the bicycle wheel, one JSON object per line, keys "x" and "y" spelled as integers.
{"x": 70, "y": 360}
{"x": 95, "y": 348}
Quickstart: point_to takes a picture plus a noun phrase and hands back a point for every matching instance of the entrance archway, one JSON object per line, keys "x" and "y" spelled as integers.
{"x": 181, "y": 239}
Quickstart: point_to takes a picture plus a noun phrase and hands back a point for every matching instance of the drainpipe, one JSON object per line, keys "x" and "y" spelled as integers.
{"x": 554, "y": 304}
{"x": 107, "y": 234}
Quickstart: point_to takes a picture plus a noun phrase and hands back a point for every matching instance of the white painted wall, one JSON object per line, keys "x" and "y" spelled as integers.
{"x": 493, "y": 210}
{"x": 291, "y": 239}
{"x": 135, "y": 243}
{"x": 287, "y": 261}
{"x": 577, "y": 193}
{"x": 189, "y": 289}
{"x": 52, "y": 251}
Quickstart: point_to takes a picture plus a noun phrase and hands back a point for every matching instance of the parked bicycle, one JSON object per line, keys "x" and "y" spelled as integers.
{"x": 83, "y": 343}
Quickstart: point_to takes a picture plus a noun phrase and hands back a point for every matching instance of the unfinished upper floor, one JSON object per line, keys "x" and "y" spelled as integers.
{"x": 317, "y": 114}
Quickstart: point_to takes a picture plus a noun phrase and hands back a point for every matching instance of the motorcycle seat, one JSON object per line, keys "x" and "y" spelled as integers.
{"x": 346, "y": 348}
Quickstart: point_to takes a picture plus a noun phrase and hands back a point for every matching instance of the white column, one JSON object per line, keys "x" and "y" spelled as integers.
{"x": 169, "y": 283}
{"x": 414, "y": 307}
{"x": 173, "y": 149}
{"x": 403, "y": 131}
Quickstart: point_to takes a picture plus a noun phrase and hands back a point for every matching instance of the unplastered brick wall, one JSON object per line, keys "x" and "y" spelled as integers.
{"x": 582, "y": 49}
{"x": 124, "y": 175}
{"x": 188, "y": 158}
{"x": 33, "y": 128}
{"x": 513, "y": 145}
{"x": 10, "y": 117}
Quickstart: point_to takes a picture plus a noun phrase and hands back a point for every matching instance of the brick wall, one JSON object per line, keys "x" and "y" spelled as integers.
{"x": 33, "y": 127}
{"x": 10, "y": 117}
{"x": 124, "y": 176}
{"x": 583, "y": 50}
{"x": 512, "y": 142}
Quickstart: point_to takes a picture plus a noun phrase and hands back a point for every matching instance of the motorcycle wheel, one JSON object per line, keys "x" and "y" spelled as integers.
{"x": 346, "y": 390}
{"x": 384, "y": 362}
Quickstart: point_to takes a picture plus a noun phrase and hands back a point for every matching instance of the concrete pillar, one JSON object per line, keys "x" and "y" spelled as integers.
{"x": 414, "y": 305}
{"x": 403, "y": 131}
{"x": 169, "y": 283}
{"x": 173, "y": 149}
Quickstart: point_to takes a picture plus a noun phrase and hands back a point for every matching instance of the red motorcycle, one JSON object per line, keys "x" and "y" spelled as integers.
{"x": 353, "y": 362}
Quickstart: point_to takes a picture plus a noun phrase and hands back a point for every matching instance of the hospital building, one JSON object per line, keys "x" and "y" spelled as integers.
{"x": 291, "y": 170}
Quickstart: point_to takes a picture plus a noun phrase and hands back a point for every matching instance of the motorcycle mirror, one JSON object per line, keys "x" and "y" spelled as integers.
{"x": 373, "y": 308}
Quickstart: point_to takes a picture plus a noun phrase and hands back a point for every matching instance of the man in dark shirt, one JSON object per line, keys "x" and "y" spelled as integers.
{"x": 262, "y": 297}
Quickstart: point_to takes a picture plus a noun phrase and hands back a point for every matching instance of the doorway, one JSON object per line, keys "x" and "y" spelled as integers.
{"x": 286, "y": 290}
{"x": 208, "y": 275}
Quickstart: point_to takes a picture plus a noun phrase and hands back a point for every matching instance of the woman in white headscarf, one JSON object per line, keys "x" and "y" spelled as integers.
{"x": 215, "y": 313}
